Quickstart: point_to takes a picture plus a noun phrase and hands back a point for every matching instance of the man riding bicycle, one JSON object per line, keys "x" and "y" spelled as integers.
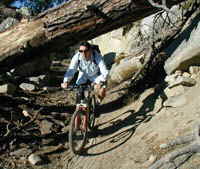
{"x": 91, "y": 68}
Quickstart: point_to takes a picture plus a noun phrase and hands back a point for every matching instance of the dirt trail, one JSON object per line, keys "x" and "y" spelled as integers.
{"x": 127, "y": 136}
{"x": 112, "y": 142}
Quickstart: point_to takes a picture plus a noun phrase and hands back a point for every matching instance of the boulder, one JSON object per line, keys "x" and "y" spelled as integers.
{"x": 184, "y": 51}
{"x": 125, "y": 69}
{"x": 35, "y": 67}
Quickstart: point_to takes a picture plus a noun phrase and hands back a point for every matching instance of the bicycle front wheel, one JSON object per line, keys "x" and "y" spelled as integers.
{"x": 77, "y": 132}
{"x": 92, "y": 113}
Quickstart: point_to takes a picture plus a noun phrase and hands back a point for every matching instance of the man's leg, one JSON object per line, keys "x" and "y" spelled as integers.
{"x": 100, "y": 91}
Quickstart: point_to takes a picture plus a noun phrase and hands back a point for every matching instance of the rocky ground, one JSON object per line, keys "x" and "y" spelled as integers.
{"x": 128, "y": 132}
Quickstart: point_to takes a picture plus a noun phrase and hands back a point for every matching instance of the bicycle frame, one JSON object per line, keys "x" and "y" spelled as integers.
{"x": 83, "y": 118}
{"x": 84, "y": 103}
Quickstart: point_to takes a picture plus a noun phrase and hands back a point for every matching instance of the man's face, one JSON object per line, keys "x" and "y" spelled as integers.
{"x": 85, "y": 51}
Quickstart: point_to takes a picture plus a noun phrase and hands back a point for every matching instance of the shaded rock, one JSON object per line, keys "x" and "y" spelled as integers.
{"x": 7, "y": 88}
{"x": 45, "y": 127}
{"x": 56, "y": 63}
{"x": 40, "y": 80}
{"x": 34, "y": 67}
{"x": 37, "y": 79}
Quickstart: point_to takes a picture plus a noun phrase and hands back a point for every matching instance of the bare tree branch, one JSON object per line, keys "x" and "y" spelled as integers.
{"x": 157, "y": 5}
{"x": 187, "y": 151}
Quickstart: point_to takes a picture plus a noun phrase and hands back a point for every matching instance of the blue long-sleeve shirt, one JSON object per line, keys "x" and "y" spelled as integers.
{"x": 93, "y": 69}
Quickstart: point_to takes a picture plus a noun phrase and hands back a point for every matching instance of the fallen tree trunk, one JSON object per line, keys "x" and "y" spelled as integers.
{"x": 66, "y": 25}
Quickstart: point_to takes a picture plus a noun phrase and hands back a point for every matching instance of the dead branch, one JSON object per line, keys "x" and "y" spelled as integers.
{"x": 157, "y": 5}
{"x": 32, "y": 119}
{"x": 17, "y": 128}
{"x": 180, "y": 140}
{"x": 188, "y": 151}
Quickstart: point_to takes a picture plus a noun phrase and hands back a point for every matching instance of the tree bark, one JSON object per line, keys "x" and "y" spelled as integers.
{"x": 66, "y": 25}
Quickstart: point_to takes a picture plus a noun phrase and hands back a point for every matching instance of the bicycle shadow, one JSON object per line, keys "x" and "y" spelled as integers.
{"x": 122, "y": 127}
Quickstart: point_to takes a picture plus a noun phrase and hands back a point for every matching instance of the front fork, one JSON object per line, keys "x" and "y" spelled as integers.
{"x": 81, "y": 119}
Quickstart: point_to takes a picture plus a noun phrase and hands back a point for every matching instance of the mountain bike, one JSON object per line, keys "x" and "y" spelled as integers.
{"x": 83, "y": 118}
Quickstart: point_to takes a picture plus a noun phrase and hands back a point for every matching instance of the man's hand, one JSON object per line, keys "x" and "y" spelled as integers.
{"x": 64, "y": 85}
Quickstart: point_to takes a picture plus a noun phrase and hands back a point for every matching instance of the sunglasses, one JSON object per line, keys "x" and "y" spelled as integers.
{"x": 83, "y": 51}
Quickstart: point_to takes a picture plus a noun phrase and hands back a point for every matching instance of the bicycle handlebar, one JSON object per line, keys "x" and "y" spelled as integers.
{"x": 76, "y": 87}
{"x": 69, "y": 88}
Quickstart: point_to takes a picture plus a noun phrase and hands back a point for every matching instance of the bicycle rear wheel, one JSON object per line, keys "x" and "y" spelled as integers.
{"x": 77, "y": 133}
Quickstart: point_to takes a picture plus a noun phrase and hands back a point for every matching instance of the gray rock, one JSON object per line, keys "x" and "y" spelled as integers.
{"x": 27, "y": 86}
{"x": 184, "y": 51}
{"x": 7, "y": 23}
{"x": 163, "y": 146}
{"x": 45, "y": 127}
